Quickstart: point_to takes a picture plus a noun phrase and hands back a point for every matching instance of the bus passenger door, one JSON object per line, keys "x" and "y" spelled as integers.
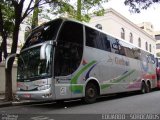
{"x": 68, "y": 56}
{"x": 62, "y": 72}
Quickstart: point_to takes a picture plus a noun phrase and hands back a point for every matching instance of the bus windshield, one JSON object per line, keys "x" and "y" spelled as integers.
{"x": 30, "y": 67}
{"x": 43, "y": 33}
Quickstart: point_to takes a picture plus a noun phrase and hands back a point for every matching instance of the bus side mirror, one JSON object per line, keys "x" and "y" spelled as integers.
{"x": 43, "y": 51}
{"x": 54, "y": 43}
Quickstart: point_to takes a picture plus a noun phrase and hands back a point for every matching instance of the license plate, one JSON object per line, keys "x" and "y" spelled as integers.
{"x": 27, "y": 95}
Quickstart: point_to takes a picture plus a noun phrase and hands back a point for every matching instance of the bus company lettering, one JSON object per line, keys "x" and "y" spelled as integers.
{"x": 121, "y": 61}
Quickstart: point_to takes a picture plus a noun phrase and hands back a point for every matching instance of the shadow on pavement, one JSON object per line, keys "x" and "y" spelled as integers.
{"x": 79, "y": 102}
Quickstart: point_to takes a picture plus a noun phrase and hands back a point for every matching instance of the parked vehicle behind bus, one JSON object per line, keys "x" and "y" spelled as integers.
{"x": 66, "y": 59}
{"x": 158, "y": 71}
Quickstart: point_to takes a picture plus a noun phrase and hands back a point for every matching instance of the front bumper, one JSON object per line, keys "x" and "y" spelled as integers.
{"x": 36, "y": 95}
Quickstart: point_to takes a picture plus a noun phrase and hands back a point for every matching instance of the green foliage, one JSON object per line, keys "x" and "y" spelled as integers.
{"x": 8, "y": 17}
{"x": 79, "y": 9}
{"x": 100, "y": 12}
{"x": 35, "y": 16}
{"x": 137, "y": 5}
{"x": 6, "y": 26}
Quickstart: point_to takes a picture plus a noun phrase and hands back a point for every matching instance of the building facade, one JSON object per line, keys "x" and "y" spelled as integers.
{"x": 148, "y": 27}
{"x": 117, "y": 25}
{"x": 157, "y": 37}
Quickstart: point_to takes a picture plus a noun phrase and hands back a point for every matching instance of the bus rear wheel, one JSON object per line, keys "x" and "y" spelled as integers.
{"x": 148, "y": 87}
{"x": 91, "y": 93}
{"x": 143, "y": 88}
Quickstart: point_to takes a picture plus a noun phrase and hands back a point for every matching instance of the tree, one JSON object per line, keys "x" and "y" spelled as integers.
{"x": 137, "y": 5}
{"x": 6, "y": 26}
{"x": 80, "y": 10}
{"x": 19, "y": 14}
{"x": 35, "y": 15}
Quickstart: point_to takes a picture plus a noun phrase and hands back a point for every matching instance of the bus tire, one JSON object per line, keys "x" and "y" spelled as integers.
{"x": 143, "y": 88}
{"x": 148, "y": 87}
{"x": 91, "y": 93}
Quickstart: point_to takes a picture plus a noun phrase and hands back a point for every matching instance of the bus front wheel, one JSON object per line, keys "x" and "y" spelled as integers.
{"x": 91, "y": 93}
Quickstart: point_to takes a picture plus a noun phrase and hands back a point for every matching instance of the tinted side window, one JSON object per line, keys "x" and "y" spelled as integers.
{"x": 114, "y": 44}
{"x": 125, "y": 49}
{"x": 129, "y": 50}
{"x": 68, "y": 53}
{"x": 71, "y": 32}
{"x": 105, "y": 42}
{"x": 92, "y": 38}
{"x": 97, "y": 40}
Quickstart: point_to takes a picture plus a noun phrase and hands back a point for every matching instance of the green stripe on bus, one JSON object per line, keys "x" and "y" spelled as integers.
{"x": 79, "y": 88}
{"x": 104, "y": 86}
{"x": 75, "y": 78}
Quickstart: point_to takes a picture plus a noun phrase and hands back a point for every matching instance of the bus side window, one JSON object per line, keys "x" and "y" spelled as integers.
{"x": 94, "y": 39}
{"x": 69, "y": 49}
{"x": 105, "y": 42}
{"x": 115, "y": 45}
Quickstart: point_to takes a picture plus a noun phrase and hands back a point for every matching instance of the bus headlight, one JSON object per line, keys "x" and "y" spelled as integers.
{"x": 18, "y": 89}
{"x": 44, "y": 87}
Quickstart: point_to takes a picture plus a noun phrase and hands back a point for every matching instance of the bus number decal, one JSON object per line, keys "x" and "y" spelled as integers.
{"x": 63, "y": 91}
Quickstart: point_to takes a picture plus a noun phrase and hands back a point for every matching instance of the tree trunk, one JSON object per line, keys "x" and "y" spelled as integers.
{"x": 8, "y": 85}
{"x": 35, "y": 16}
{"x": 3, "y": 47}
{"x": 8, "y": 71}
{"x": 79, "y": 5}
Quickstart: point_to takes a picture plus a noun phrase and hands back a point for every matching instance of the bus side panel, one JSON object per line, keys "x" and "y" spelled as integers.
{"x": 135, "y": 76}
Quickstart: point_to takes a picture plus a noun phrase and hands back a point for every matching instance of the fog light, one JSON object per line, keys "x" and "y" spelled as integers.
{"x": 47, "y": 95}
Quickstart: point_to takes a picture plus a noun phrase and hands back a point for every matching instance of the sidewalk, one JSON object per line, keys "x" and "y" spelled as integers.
{"x": 4, "y": 103}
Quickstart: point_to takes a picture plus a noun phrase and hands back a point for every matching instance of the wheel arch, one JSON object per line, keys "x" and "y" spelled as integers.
{"x": 95, "y": 82}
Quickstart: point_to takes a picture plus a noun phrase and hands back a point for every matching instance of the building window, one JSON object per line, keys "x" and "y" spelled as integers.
{"x": 131, "y": 37}
{"x": 150, "y": 48}
{"x": 147, "y": 46}
{"x": 158, "y": 46}
{"x": 122, "y": 33}
{"x": 157, "y": 37}
{"x": 139, "y": 42}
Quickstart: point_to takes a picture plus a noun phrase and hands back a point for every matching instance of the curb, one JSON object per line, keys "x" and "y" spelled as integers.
{"x": 5, "y": 104}
{"x": 28, "y": 103}
{"x": 8, "y": 104}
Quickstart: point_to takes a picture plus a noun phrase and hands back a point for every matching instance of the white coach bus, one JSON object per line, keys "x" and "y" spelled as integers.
{"x": 66, "y": 59}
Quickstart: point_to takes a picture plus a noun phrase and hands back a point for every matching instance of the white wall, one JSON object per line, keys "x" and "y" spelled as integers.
{"x": 2, "y": 78}
{"x": 112, "y": 23}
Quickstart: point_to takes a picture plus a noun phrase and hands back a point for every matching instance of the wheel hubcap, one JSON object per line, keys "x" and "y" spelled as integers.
{"x": 91, "y": 92}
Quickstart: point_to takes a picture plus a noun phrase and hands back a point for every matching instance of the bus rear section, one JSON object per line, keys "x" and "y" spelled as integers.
{"x": 158, "y": 72}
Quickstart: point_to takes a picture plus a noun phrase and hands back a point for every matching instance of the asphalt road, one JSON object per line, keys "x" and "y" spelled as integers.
{"x": 119, "y": 104}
